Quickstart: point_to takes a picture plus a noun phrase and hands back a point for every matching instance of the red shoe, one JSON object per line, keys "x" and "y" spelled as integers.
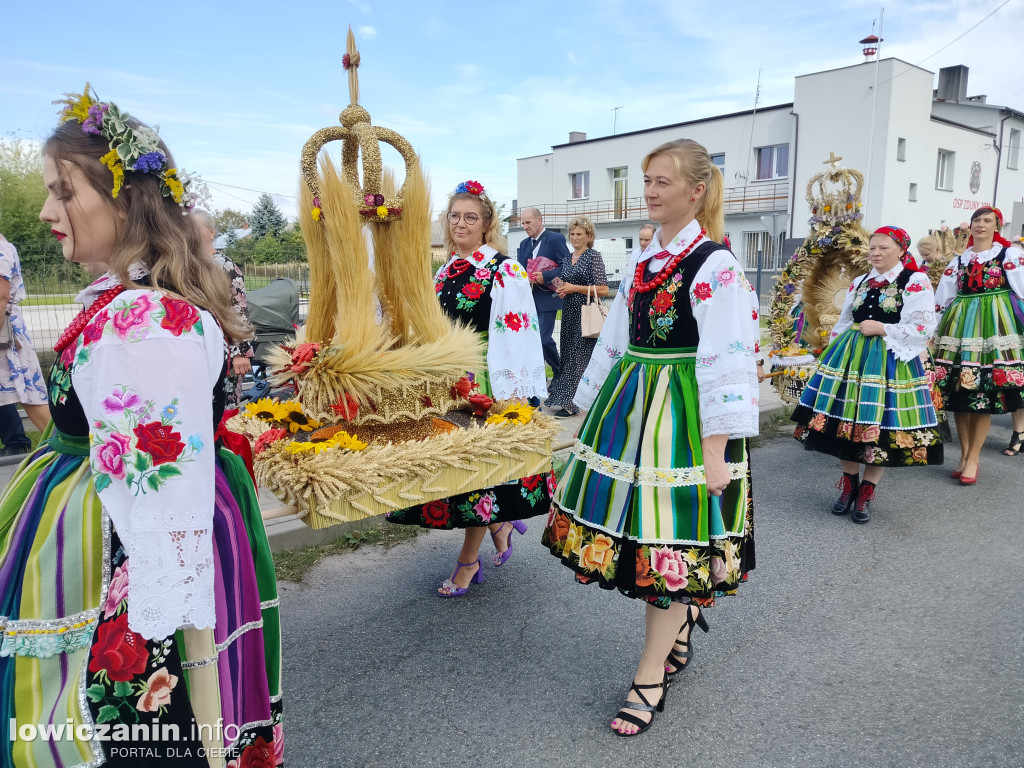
{"x": 965, "y": 480}
{"x": 955, "y": 474}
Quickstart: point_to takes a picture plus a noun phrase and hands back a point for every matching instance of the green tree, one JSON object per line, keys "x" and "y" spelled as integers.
{"x": 229, "y": 219}
{"x": 266, "y": 219}
{"x": 22, "y": 195}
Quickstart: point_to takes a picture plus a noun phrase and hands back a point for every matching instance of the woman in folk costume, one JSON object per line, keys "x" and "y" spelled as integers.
{"x": 485, "y": 289}
{"x": 654, "y": 498}
{"x": 136, "y": 585}
{"x": 979, "y": 344}
{"x": 869, "y": 401}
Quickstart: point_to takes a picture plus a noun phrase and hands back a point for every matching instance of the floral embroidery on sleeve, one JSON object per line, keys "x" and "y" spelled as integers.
{"x": 515, "y": 321}
{"x": 134, "y": 446}
{"x": 179, "y": 316}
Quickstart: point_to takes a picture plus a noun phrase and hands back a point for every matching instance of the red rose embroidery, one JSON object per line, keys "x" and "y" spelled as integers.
{"x": 753, "y": 314}
{"x": 702, "y": 291}
{"x": 160, "y": 441}
{"x": 94, "y": 330}
{"x": 473, "y": 290}
{"x": 530, "y": 483}
{"x": 948, "y": 272}
{"x": 118, "y": 651}
{"x": 915, "y": 288}
{"x": 179, "y": 316}
{"x": 999, "y": 377}
{"x": 513, "y": 321}
{"x": 662, "y": 302}
{"x": 259, "y": 754}
{"x": 436, "y": 514}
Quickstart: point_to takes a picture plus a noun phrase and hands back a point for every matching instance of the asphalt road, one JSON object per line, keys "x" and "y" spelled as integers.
{"x": 897, "y": 643}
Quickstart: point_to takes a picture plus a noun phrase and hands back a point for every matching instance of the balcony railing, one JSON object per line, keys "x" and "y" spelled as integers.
{"x": 753, "y": 198}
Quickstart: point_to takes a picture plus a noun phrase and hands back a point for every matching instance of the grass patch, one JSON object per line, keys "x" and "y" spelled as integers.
{"x": 292, "y": 564}
{"x": 36, "y": 301}
{"x": 776, "y": 426}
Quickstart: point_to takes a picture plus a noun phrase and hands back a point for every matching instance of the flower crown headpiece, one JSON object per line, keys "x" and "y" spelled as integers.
{"x": 135, "y": 149}
{"x": 470, "y": 187}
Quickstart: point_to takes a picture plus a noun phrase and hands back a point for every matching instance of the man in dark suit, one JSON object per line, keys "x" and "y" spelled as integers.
{"x": 541, "y": 242}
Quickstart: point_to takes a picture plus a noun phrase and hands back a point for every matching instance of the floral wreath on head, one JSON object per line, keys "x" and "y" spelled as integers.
{"x": 470, "y": 187}
{"x": 135, "y": 149}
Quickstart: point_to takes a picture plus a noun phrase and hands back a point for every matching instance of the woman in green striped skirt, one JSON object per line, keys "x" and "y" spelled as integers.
{"x": 137, "y": 594}
{"x": 979, "y": 345}
{"x": 654, "y": 499}
{"x": 869, "y": 401}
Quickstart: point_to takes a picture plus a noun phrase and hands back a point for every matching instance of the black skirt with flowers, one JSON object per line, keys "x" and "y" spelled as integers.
{"x": 514, "y": 500}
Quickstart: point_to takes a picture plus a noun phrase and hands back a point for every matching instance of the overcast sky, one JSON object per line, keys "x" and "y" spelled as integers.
{"x": 238, "y": 87}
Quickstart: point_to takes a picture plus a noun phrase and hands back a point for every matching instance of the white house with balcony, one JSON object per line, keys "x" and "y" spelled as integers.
{"x": 929, "y": 156}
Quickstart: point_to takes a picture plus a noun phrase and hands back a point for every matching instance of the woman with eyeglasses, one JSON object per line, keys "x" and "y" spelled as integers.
{"x": 482, "y": 287}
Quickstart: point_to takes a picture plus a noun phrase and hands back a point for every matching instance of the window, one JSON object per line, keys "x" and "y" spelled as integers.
{"x": 772, "y": 162}
{"x": 901, "y": 150}
{"x": 944, "y": 170}
{"x": 913, "y": 193}
{"x": 579, "y": 185}
{"x": 620, "y": 191}
{"x": 629, "y": 243}
{"x": 1013, "y": 158}
{"x": 719, "y": 161}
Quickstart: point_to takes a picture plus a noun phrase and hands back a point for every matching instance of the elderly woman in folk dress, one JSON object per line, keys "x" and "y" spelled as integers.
{"x": 654, "y": 499}
{"x": 869, "y": 401}
{"x": 482, "y": 287}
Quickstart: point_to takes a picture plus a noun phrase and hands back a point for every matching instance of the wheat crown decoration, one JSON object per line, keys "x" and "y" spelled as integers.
{"x": 358, "y": 137}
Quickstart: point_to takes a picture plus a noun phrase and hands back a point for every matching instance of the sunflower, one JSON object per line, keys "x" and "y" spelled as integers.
{"x": 513, "y": 414}
{"x": 265, "y": 409}
{"x": 291, "y": 415}
{"x": 341, "y": 440}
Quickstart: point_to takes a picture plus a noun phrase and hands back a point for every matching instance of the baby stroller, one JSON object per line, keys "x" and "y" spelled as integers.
{"x": 274, "y": 314}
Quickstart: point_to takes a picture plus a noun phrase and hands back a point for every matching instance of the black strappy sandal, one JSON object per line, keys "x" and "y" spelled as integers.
{"x": 646, "y": 706}
{"x": 681, "y": 659}
{"x": 1016, "y": 444}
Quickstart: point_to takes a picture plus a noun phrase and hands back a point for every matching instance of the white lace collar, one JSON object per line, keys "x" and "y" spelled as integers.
{"x": 686, "y": 236}
{"x": 889, "y": 276}
{"x": 88, "y": 295}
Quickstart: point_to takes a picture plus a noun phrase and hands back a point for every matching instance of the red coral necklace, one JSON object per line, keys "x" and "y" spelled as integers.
{"x": 82, "y": 318}
{"x": 643, "y": 286}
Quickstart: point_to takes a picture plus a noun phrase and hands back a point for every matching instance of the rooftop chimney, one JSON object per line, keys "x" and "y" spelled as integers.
{"x": 577, "y": 136}
{"x": 952, "y": 84}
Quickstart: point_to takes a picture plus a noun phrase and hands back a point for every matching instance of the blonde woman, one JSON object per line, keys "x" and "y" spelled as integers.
{"x": 583, "y": 271}
{"x": 653, "y": 501}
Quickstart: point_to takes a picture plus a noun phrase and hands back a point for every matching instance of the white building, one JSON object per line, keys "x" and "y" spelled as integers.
{"x": 929, "y": 157}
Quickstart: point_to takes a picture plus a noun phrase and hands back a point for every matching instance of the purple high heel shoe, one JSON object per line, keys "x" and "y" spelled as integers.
{"x": 453, "y": 589}
{"x": 500, "y": 558}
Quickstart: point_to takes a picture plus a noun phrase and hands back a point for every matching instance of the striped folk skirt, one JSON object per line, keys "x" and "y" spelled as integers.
{"x": 632, "y": 510}
{"x": 71, "y": 667}
{"x": 864, "y": 405}
{"x": 979, "y": 353}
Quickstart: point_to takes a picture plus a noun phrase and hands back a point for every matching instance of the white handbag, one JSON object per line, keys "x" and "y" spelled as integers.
{"x": 592, "y": 314}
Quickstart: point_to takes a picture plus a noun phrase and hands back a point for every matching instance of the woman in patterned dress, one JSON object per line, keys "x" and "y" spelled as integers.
{"x": 583, "y": 270}
{"x": 869, "y": 401}
{"x": 136, "y": 585}
{"x": 979, "y": 344}
{"x": 21, "y": 380}
{"x": 485, "y": 289}
{"x": 241, "y": 351}
{"x": 654, "y": 499}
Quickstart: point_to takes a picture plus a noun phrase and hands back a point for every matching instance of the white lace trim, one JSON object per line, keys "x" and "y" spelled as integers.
{"x": 506, "y": 383}
{"x": 171, "y": 580}
{"x": 650, "y": 476}
{"x": 735, "y": 425}
{"x": 620, "y": 470}
{"x": 221, "y": 647}
{"x": 989, "y": 344}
